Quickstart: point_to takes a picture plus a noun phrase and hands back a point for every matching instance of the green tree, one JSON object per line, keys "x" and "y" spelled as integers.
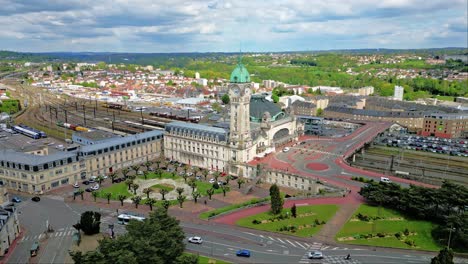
{"x": 121, "y": 198}
{"x": 135, "y": 188}
{"x": 276, "y": 200}
{"x": 136, "y": 200}
{"x": 294, "y": 211}
{"x": 195, "y": 196}
{"x": 136, "y": 168}
{"x": 150, "y": 202}
{"x": 240, "y": 181}
{"x": 181, "y": 200}
{"x": 112, "y": 175}
{"x": 179, "y": 190}
{"x": 445, "y": 257}
{"x": 193, "y": 184}
{"x": 163, "y": 192}
{"x": 165, "y": 205}
{"x": 225, "y": 99}
{"x": 108, "y": 195}
{"x": 158, "y": 239}
{"x": 147, "y": 191}
{"x": 225, "y": 189}
{"x": 319, "y": 112}
{"x": 129, "y": 183}
{"x": 89, "y": 222}
{"x": 210, "y": 192}
{"x": 125, "y": 172}
{"x": 95, "y": 195}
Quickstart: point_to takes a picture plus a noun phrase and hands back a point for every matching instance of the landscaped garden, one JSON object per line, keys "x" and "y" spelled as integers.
{"x": 371, "y": 225}
{"x": 308, "y": 221}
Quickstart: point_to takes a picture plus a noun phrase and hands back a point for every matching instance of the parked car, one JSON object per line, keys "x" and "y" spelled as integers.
{"x": 92, "y": 180}
{"x": 119, "y": 180}
{"x": 315, "y": 255}
{"x": 36, "y": 199}
{"x": 86, "y": 182}
{"x": 243, "y": 253}
{"x": 95, "y": 187}
{"x": 16, "y": 199}
{"x": 212, "y": 181}
{"x": 195, "y": 240}
{"x": 89, "y": 190}
{"x": 385, "y": 179}
{"x": 286, "y": 149}
{"x": 76, "y": 185}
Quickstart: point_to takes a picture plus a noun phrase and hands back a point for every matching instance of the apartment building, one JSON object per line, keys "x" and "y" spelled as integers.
{"x": 33, "y": 173}
{"x": 9, "y": 224}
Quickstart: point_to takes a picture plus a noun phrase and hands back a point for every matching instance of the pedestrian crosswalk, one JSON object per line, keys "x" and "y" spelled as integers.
{"x": 328, "y": 260}
{"x": 62, "y": 232}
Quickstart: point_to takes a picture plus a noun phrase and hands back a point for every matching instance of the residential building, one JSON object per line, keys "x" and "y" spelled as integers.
{"x": 398, "y": 93}
{"x": 9, "y": 223}
{"x": 445, "y": 125}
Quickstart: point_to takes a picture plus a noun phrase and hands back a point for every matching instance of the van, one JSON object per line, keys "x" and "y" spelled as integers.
{"x": 385, "y": 179}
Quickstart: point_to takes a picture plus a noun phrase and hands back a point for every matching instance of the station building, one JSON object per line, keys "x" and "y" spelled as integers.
{"x": 36, "y": 173}
{"x": 445, "y": 125}
{"x": 255, "y": 128}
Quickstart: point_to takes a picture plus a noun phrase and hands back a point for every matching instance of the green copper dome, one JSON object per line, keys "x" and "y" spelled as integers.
{"x": 240, "y": 74}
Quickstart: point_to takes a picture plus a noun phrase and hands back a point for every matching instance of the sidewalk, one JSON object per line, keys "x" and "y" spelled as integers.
{"x": 12, "y": 247}
{"x": 332, "y": 227}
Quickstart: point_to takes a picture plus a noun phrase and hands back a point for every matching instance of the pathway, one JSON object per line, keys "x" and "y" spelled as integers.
{"x": 329, "y": 231}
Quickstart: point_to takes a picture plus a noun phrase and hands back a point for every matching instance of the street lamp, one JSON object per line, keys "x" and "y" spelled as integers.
{"x": 450, "y": 235}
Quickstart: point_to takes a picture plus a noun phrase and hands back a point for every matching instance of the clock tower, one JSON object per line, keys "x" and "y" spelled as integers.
{"x": 239, "y": 94}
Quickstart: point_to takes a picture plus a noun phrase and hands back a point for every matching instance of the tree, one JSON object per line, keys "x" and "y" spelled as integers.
{"x": 225, "y": 99}
{"x": 276, "y": 200}
{"x": 125, "y": 172}
{"x": 112, "y": 175}
{"x": 216, "y": 175}
{"x": 165, "y": 205}
{"x": 181, "y": 200}
{"x": 81, "y": 193}
{"x": 193, "y": 184}
{"x": 185, "y": 176}
{"x": 129, "y": 183}
{"x": 319, "y": 112}
{"x": 158, "y": 239}
{"x": 148, "y": 165}
{"x": 100, "y": 179}
{"x": 180, "y": 190}
{"x": 225, "y": 189}
{"x": 108, "y": 196}
{"x": 205, "y": 173}
{"x": 145, "y": 174}
{"x": 210, "y": 192}
{"x": 136, "y": 168}
{"x": 95, "y": 195}
{"x": 122, "y": 198}
{"x": 163, "y": 192}
{"x": 147, "y": 191}
{"x": 135, "y": 188}
{"x": 136, "y": 200}
{"x": 150, "y": 202}
{"x": 445, "y": 257}
{"x": 195, "y": 196}
{"x": 294, "y": 211}
{"x": 240, "y": 181}
{"x": 89, "y": 222}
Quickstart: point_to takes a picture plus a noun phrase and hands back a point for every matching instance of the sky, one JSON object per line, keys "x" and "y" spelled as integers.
{"x": 230, "y": 25}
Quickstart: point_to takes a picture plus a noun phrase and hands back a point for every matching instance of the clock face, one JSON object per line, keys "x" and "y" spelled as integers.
{"x": 236, "y": 91}
{"x": 246, "y": 91}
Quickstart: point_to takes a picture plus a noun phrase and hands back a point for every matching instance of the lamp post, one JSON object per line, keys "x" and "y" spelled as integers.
{"x": 450, "y": 235}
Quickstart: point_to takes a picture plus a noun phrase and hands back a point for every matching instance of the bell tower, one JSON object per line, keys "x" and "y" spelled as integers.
{"x": 239, "y": 94}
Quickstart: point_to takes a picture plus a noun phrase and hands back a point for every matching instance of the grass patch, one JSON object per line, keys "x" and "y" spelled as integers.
{"x": 9, "y": 106}
{"x": 165, "y": 175}
{"x": 208, "y": 214}
{"x": 386, "y": 228}
{"x": 310, "y": 219}
{"x": 445, "y": 98}
{"x": 162, "y": 186}
{"x": 115, "y": 189}
{"x": 208, "y": 260}
{"x": 202, "y": 187}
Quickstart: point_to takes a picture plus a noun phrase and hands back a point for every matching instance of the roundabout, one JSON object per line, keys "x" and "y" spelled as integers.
{"x": 317, "y": 166}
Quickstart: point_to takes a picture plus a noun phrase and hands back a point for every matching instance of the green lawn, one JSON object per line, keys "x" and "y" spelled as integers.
{"x": 207, "y": 214}
{"x": 163, "y": 186}
{"x": 445, "y": 98}
{"x": 203, "y": 186}
{"x": 304, "y": 222}
{"x": 208, "y": 260}
{"x": 390, "y": 223}
{"x": 9, "y": 106}
{"x": 115, "y": 189}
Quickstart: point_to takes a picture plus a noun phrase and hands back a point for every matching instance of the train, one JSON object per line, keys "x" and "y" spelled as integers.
{"x": 116, "y": 106}
{"x": 73, "y": 127}
{"x": 176, "y": 117}
{"x": 26, "y": 132}
{"x": 41, "y": 133}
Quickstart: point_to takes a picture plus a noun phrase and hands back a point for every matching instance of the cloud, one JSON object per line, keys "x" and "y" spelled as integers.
{"x": 221, "y": 25}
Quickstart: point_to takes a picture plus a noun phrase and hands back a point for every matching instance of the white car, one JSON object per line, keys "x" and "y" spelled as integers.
{"x": 195, "y": 240}
{"x": 95, "y": 187}
{"x": 212, "y": 181}
{"x": 286, "y": 149}
{"x": 76, "y": 185}
{"x": 315, "y": 255}
{"x": 385, "y": 179}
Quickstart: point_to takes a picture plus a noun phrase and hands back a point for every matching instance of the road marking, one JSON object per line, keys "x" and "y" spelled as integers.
{"x": 301, "y": 245}
{"x": 325, "y": 247}
{"x": 335, "y": 248}
{"x": 70, "y": 232}
{"x": 40, "y": 236}
{"x": 35, "y": 237}
{"x": 22, "y": 239}
{"x": 291, "y": 243}
{"x": 261, "y": 236}
{"x": 271, "y": 238}
{"x": 307, "y": 245}
{"x": 249, "y": 233}
{"x": 281, "y": 240}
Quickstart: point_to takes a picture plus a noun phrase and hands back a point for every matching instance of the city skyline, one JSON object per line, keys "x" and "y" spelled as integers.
{"x": 223, "y": 26}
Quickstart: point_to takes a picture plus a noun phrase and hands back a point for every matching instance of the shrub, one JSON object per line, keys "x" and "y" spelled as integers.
{"x": 256, "y": 222}
{"x": 215, "y": 185}
{"x": 363, "y": 217}
{"x": 380, "y": 235}
{"x": 406, "y": 232}
{"x": 410, "y": 242}
{"x": 323, "y": 222}
{"x": 398, "y": 235}
{"x": 316, "y": 221}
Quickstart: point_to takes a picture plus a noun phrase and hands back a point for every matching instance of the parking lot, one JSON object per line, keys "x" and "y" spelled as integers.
{"x": 19, "y": 142}
{"x": 453, "y": 147}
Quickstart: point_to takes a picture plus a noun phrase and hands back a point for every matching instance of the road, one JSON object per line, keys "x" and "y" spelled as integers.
{"x": 220, "y": 241}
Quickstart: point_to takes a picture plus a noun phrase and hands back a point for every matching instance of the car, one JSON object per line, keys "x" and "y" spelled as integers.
{"x": 119, "y": 180}
{"x": 36, "y": 199}
{"x": 86, "y": 182}
{"x": 212, "y": 181}
{"x": 140, "y": 173}
{"x": 195, "y": 240}
{"x": 76, "y": 185}
{"x": 315, "y": 255}
{"x": 91, "y": 180}
{"x": 302, "y": 143}
{"x": 385, "y": 179}
{"x": 89, "y": 190}
{"x": 286, "y": 149}
{"x": 16, "y": 199}
{"x": 198, "y": 177}
{"x": 95, "y": 187}
{"x": 105, "y": 176}
{"x": 243, "y": 253}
